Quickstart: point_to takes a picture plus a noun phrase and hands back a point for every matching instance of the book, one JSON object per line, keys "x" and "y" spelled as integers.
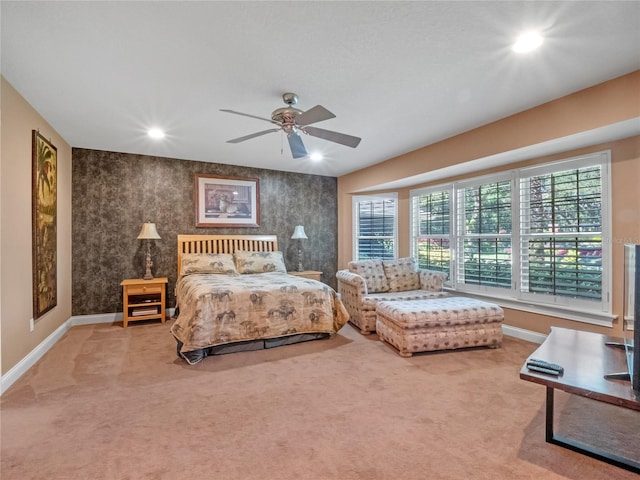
{"x": 140, "y": 312}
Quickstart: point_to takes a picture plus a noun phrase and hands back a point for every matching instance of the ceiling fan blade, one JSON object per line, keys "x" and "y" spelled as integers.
{"x": 314, "y": 115}
{"x": 336, "y": 137}
{"x": 297, "y": 147}
{"x": 253, "y": 135}
{"x": 250, "y": 116}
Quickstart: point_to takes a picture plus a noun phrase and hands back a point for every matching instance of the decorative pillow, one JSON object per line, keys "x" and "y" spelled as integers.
{"x": 208, "y": 263}
{"x": 259, "y": 262}
{"x": 373, "y": 274}
{"x": 401, "y": 274}
{"x": 431, "y": 280}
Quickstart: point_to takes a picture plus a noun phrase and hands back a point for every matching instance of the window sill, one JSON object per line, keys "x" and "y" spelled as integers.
{"x": 601, "y": 319}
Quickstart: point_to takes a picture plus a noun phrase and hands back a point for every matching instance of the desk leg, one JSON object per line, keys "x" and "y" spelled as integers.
{"x": 549, "y": 416}
{"x": 579, "y": 447}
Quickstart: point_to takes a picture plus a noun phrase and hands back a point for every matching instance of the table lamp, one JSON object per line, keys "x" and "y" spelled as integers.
{"x": 148, "y": 233}
{"x": 298, "y": 234}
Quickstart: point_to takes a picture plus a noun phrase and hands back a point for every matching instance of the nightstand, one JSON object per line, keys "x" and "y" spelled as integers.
{"x": 310, "y": 274}
{"x": 143, "y": 299}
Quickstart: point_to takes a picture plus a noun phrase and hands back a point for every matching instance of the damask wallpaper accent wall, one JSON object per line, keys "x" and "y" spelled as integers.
{"x": 115, "y": 193}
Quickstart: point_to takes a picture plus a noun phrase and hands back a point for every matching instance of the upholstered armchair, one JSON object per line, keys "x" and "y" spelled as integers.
{"x": 367, "y": 282}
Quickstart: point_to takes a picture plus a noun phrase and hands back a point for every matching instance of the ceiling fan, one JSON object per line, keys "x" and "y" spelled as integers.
{"x": 293, "y": 121}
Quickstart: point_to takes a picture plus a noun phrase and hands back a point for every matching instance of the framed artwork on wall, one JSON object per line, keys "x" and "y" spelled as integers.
{"x": 226, "y": 201}
{"x": 44, "y": 210}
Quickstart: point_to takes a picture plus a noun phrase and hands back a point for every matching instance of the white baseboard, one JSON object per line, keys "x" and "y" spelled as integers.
{"x": 523, "y": 334}
{"x": 43, "y": 347}
{"x": 36, "y": 354}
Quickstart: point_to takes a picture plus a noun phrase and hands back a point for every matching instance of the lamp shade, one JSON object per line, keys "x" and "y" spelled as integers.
{"x": 299, "y": 232}
{"x": 148, "y": 232}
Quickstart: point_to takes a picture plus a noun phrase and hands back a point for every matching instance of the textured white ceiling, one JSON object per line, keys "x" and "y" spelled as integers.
{"x": 399, "y": 74}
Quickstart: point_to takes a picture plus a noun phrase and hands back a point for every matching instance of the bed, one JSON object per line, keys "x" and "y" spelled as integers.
{"x": 233, "y": 294}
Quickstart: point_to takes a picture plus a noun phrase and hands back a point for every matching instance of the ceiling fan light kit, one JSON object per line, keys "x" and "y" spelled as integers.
{"x": 292, "y": 121}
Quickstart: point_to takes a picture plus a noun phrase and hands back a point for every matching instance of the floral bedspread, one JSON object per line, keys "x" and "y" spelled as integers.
{"x": 218, "y": 309}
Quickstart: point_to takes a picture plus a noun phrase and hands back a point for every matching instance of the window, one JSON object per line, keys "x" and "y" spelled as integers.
{"x": 561, "y": 217}
{"x": 534, "y": 235}
{"x": 432, "y": 229}
{"x": 375, "y": 226}
{"x": 484, "y": 233}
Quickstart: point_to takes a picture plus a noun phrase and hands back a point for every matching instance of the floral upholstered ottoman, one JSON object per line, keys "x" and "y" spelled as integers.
{"x": 439, "y": 324}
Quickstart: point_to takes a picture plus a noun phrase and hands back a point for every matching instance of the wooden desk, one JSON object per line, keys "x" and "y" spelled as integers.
{"x": 586, "y": 359}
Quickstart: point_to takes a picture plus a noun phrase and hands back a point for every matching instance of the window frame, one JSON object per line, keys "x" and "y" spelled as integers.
{"x": 355, "y": 202}
{"x": 459, "y": 216}
{"x": 415, "y": 224}
{"x": 577, "y": 309}
{"x": 603, "y": 160}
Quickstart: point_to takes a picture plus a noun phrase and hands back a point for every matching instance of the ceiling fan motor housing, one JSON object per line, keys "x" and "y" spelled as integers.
{"x": 286, "y": 116}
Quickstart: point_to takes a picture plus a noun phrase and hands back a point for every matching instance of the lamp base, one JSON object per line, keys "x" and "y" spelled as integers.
{"x": 148, "y": 275}
{"x": 300, "y": 269}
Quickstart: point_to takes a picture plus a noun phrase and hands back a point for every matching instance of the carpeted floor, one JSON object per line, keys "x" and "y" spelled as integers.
{"x": 114, "y": 403}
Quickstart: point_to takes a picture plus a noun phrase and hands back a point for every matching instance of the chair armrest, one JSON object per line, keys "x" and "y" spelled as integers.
{"x": 348, "y": 280}
{"x": 352, "y": 288}
{"x": 431, "y": 280}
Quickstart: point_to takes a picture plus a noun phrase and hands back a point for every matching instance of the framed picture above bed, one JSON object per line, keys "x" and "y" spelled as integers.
{"x": 226, "y": 201}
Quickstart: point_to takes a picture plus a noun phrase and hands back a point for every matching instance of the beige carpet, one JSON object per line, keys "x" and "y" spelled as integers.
{"x": 110, "y": 403}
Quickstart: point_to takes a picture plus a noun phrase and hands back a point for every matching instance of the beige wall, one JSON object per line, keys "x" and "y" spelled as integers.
{"x": 18, "y": 119}
{"x": 611, "y": 102}
{"x": 602, "y": 105}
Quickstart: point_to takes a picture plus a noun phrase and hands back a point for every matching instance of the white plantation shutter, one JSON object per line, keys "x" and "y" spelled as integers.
{"x": 563, "y": 213}
{"x": 375, "y": 226}
{"x": 484, "y": 240}
{"x": 431, "y": 228}
{"x": 535, "y": 236}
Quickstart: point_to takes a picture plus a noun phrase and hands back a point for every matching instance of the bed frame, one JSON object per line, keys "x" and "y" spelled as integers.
{"x": 229, "y": 244}
{"x": 224, "y": 244}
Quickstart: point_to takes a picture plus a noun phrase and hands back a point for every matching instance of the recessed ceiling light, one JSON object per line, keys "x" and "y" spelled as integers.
{"x": 155, "y": 133}
{"x": 316, "y": 156}
{"x": 527, "y": 42}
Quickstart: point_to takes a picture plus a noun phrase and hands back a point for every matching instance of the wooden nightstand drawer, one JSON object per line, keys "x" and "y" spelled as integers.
{"x": 144, "y": 289}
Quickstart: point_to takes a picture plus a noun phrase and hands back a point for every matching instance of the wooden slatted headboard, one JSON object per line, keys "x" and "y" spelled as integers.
{"x": 224, "y": 244}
